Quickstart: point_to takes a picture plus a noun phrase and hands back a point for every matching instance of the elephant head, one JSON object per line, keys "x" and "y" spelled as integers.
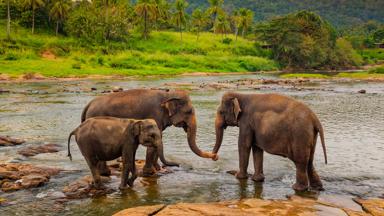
{"x": 149, "y": 135}
{"x": 227, "y": 115}
{"x": 178, "y": 107}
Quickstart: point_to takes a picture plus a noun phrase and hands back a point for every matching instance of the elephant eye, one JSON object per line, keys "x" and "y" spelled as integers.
{"x": 189, "y": 111}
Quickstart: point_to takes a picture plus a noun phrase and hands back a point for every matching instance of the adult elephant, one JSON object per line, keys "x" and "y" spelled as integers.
{"x": 165, "y": 107}
{"x": 276, "y": 124}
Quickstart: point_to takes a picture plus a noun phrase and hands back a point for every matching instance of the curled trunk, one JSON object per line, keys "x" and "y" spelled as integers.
{"x": 191, "y": 135}
{"x": 160, "y": 152}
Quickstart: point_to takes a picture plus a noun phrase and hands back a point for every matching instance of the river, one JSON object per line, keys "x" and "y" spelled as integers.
{"x": 42, "y": 112}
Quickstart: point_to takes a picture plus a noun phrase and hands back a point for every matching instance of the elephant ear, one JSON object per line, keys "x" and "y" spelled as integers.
{"x": 172, "y": 105}
{"x": 137, "y": 128}
{"x": 236, "y": 108}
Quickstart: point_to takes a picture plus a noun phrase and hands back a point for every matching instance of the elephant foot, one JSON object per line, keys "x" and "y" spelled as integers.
{"x": 317, "y": 186}
{"x": 258, "y": 177}
{"x": 239, "y": 175}
{"x": 148, "y": 172}
{"x": 299, "y": 187}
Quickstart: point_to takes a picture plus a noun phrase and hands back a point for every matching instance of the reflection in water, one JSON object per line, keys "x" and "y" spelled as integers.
{"x": 47, "y": 113}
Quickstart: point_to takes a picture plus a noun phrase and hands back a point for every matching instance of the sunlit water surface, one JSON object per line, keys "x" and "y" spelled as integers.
{"x": 354, "y": 131}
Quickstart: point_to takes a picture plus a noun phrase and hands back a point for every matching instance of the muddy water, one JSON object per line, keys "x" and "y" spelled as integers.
{"x": 43, "y": 112}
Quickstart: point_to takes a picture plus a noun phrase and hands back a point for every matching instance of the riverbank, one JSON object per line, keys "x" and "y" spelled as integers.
{"x": 373, "y": 73}
{"x": 295, "y": 205}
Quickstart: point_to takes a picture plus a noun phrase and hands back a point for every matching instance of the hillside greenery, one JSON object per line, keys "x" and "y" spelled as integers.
{"x": 147, "y": 37}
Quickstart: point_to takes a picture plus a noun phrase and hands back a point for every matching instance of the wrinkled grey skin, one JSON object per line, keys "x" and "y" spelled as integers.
{"x": 167, "y": 108}
{"x": 276, "y": 124}
{"x": 103, "y": 139}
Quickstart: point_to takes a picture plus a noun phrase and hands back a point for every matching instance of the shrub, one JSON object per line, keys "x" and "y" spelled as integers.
{"x": 76, "y": 66}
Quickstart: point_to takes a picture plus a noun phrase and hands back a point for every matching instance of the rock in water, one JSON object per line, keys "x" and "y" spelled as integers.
{"x": 8, "y": 141}
{"x": 34, "y": 150}
{"x": 21, "y": 176}
{"x": 362, "y": 91}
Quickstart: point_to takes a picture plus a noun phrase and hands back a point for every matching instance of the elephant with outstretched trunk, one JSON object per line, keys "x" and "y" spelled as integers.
{"x": 276, "y": 124}
{"x": 164, "y": 106}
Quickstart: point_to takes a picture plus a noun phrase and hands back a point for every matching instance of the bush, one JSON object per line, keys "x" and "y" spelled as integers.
{"x": 227, "y": 40}
{"x": 344, "y": 55}
{"x": 76, "y": 66}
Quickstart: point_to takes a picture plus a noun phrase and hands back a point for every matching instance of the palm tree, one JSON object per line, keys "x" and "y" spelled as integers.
{"x": 33, "y": 4}
{"x": 222, "y": 25}
{"x": 59, "y": 11}
{"x": 180, "y": 18}
{"x": 8, "y": 20}
{"x": 236, "y": 21}
{"x": 160, "y": 11}
{"x": 145, "y": 9}
{"x": 246, "y": 18}
{"x": 215, "y": 9}
{"x": 198, "y": 20}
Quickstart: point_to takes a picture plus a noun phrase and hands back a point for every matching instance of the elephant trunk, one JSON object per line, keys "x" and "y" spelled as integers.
{"x": 219, "y": 127}
{"x": 160, "y": 152}
{"x": 191, "y": 135}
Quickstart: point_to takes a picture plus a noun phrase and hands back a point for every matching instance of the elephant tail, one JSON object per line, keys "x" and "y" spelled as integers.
{"x": 84, "y": 113}
{"x": 319, "y": 129}
{"x": 69, "y": 142}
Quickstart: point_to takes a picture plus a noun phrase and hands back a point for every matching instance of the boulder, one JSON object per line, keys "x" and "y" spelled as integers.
{"x": 362, "y": 91}
{"x": 8, "y": 141}
{"x": 34, "y": 150}
{"x": 372, "y": 206}
{"x": 293, "y": 206}
{"x": 15, "y": 176}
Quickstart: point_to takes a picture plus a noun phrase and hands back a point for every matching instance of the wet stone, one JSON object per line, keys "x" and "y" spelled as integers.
{"x": 362, "y": 91}
{"x": 22, "y": 176}
{"x": 293, "y": 206}
{"x": 8, "y": 141}
{"x": 35, "y": 150}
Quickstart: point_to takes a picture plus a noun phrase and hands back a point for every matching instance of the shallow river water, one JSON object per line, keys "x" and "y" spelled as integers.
{"x": 354, "y": 132}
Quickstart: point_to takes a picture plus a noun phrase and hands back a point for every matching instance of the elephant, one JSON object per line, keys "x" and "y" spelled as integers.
{"x": 164, "y": 106}
{"x": 107, "y": 138}
{"x": 274, "y": 123}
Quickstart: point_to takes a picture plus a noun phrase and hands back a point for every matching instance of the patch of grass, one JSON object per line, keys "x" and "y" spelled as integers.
{"x": 371, "y": 56}
{"x": 378, "y": 70}
{"x": 359, "y": 75}
{"x": 305, "y": 75}
{"x": 162, "y": 54}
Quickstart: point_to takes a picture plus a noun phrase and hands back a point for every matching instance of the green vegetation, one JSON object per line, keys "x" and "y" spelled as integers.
{"x": 304, "y": 75}
{"x": 339, "y": 13}
{"x": 114, "y": 37}
{"x": 161, "y": 54}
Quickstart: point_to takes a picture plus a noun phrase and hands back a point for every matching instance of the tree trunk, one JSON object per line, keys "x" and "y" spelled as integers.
{"x": 57, "y": 27}
{"x": 33, "y": 20}
{"x": 243, "y": 33}
{"x": 181, "y": 33}
{"x": 145, "y": 25}
{"x": 8, "y": 21}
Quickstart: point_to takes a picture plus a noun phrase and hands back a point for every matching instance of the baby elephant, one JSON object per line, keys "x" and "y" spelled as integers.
{"x": 103, "y": 139}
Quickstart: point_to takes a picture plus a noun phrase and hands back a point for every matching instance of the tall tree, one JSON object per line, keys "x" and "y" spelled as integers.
{"x": 33, "y": 5}
{"x": 179, "y": 16}
{"x": 160, "y": 11}
{"x": 145, "y": 10}
{"x": 236, "y": 20}
{"x": 215, "y": 9}
{"x": 198, "y": 20}
{"x": 59, "y": 11}
{"x": 222, "y": 25}
{"x": 8, "y": 20}
{"x": 245, "y": 18}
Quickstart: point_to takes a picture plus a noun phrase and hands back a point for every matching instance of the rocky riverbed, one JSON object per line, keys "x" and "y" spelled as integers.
{"x": 36, "y": 118}
{"x": 294, "y": 206}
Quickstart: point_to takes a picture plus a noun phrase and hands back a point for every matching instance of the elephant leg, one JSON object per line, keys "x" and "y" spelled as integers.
{"x": 301, "y": 177}
{"x": 258, "y": 155}
{"x": 314, "y": 179}
{"x": 92, "y": 163}
{"x": 148, "y": 169}
{"x": 133, "y": 170}
{"x": 125, "y": 173}
{"x": 103, "y": 168}
{"x": 244, "y": 145}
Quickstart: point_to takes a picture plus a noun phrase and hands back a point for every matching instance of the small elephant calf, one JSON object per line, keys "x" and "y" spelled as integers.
{"x": 103, "y": 139}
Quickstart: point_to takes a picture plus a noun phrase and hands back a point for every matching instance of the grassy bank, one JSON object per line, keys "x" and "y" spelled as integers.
{"x": 374, "y": 73}
{"x": 163, "y": 54}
